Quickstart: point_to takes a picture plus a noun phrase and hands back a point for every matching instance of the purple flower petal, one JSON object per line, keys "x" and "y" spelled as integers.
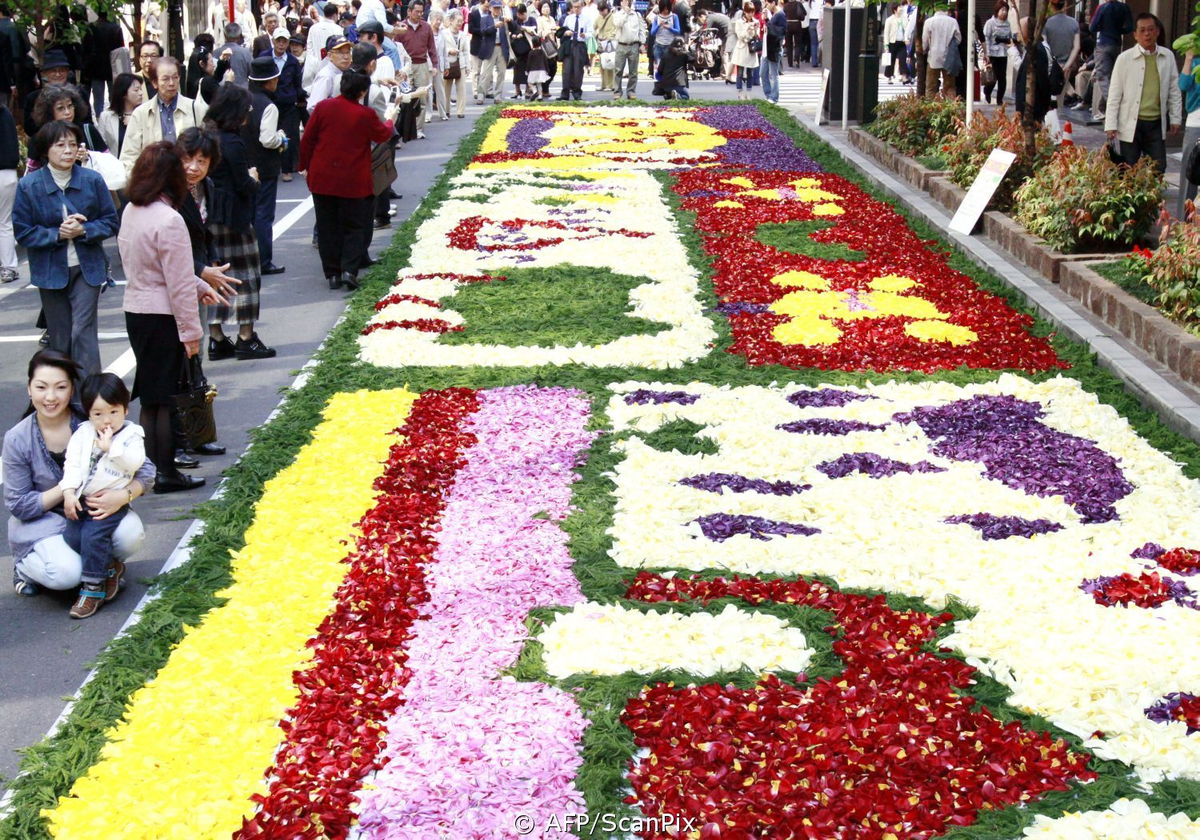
{"x": 874, "y": 466}
{"x": 645, "y": 397}
{"x": 1006, "y": 435}
{"x": 1150, "y": 551}
{"x": 994, "y": 527}
{"x": 825, "y": 398}
{"x": 716, "y": 482}
{"x": 828, "y": 426}
{"x": 719, "y": 527}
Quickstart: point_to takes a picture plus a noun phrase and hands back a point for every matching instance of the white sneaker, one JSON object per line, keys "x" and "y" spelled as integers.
{"x": 445, "y": 117}
{"x": 420, "y": 134}
{"x": 428, "y": 118}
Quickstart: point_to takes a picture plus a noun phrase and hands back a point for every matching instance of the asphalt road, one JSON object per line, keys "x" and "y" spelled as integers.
{"x": 44, "y": 655}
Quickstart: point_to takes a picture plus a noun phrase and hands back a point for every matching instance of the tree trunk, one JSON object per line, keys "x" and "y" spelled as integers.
{"x": 919, "y": 53}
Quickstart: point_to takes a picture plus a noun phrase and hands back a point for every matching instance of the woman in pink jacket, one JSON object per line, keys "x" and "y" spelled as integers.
{"x": 162, "y": 294}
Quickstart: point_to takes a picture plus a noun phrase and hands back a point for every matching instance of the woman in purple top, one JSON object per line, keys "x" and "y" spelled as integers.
{"x": 34, "y": 451}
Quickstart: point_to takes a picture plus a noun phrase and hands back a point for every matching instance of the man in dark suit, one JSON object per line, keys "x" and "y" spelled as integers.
{"x": 287, "y": 95}
{"x": 101, "y": 39}
{"x": 489, "y": 50}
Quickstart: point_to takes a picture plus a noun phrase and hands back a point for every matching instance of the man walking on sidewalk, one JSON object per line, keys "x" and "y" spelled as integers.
{"x": 1110, "y": 24}
{"x": 265, "y": 143}
{"x": 939, "y": 32}
{"x": 489, "y": 49}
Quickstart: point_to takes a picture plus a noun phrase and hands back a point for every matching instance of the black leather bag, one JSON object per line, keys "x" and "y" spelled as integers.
{"x": 192, "y": 407}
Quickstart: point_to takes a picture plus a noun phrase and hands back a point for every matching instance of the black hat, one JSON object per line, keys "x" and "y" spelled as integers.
{"x": 372, "y": 26}
{"x": 263, "y": 70}
{"x": 55, "y": 58}
{"x": 298, "y": 39}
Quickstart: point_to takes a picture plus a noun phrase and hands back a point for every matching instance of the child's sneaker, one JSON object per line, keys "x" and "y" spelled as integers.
{"x": 23, "y": 586}
{"x": 90, "y": 600}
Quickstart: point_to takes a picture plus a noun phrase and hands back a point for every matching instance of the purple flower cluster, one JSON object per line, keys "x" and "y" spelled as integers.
{"x": 1007, "y": 436}
{"x": 717, "y": 482}
{"x": 742, "y": 308}
{"x": 1150, "y": 551}
{"x": 873, "y": 466}
{"x": 825, "y": 398}
{"x": 1165, "y": 710}
{"x": 528, "y": 136}
{"x": 772, "y": 152}
{"x": 719, "y": 527}
{"x": 645, "y": 397}
{"x": 993, "y": 527}
{"x": 828, "y": 426}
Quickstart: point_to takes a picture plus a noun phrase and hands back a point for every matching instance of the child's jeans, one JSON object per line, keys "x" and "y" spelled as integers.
{"x": 745, "y": 74}
{"x": 93, "y": 539}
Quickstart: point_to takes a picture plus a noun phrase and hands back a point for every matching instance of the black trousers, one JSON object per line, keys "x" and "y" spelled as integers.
{"x": 344, "y": 228}
{"x": 793, "y": 45}
{"x": 574, "y": 60}
{"x": 1147, "y": 140}
{"x": 289, "y": 123}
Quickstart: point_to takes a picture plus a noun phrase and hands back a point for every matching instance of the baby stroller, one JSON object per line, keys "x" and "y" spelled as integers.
{"x": 704, "y": 52}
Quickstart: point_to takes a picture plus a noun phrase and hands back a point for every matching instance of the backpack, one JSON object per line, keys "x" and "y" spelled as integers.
{"x": 952, "y": 64}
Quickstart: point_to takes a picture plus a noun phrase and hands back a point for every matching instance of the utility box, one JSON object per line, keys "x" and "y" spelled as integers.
{"x": 864, "y": 63}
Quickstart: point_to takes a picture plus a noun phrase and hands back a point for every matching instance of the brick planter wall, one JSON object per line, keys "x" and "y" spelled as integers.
{"x": 886, "y": 154}
{"x": 1141, "y": 323}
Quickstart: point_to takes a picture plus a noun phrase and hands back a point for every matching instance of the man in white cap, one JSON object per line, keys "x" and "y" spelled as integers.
{"x": 265, "y": 143}
{"x": 287, "y": 96}
{"x": 489, "y": 49}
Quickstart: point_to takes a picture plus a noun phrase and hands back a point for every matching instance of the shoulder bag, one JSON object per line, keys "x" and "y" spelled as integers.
{"x": 550, "y": 47}
{"x": 383, "y": 166}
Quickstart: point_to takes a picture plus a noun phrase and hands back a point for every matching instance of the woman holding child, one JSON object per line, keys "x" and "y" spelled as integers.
{"x": 35, "y": 453}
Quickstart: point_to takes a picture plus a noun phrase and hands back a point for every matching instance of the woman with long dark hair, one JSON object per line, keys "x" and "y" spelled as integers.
{"x": 231, "y": 220}
{"x": 161, "y": 296}
{"x": 128, "y": 93}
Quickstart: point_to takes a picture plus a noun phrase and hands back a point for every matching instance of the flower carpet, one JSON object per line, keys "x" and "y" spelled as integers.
{"x": 666, "y": 481}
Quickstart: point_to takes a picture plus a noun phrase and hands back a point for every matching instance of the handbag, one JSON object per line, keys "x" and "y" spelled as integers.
{"x": 550, "y": 48}
{"x": 608, "y": 61}
{"x": 987, "y": 75}
{"x": 454, "y": 71}
{"x": 952, "y": 62}
{"x": 192, "y": 407}
{"x": 109, "y": 168}
{"x": 754, "y": 45}
{"x": 383, "y": 167}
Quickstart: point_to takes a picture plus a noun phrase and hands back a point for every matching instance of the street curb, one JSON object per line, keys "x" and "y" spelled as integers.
{"x": 1155, "y": 387}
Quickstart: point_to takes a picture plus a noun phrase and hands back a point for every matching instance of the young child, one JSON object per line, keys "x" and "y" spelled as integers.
{"x": 103, "y": 454}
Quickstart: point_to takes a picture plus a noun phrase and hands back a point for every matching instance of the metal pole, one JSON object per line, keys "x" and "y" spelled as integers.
{"x": 846, "y": 72}
{"x": 970, "y": 59}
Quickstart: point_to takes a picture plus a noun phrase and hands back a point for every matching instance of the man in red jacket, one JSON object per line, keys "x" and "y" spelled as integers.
{"x": 335, "y": 152}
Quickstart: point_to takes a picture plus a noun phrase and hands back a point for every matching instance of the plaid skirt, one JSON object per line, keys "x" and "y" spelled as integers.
{"x": 240, "y": 250}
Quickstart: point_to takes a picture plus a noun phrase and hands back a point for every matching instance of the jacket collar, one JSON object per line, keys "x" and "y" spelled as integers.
{"x": 49, "y": 182}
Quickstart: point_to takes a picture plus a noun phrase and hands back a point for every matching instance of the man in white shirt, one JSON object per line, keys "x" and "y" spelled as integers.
{"x": 329, "y": 79}
{"x": 631, "y": 32}
{"x": 939, "y": 31}
{"x": 371, "y": 10}
{"x": 576, "y": 29}
{"x": 318, "y": 35}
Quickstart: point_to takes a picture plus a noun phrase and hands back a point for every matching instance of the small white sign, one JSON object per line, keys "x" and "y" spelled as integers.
{"x": 824, "y": 92}
{"x": 981, "y": 192}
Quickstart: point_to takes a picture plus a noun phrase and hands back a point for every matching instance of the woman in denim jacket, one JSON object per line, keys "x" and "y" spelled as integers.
{"x": 62, "y": 215}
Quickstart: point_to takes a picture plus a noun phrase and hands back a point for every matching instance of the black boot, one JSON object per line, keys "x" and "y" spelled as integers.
{"x": 253, "y": 349}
